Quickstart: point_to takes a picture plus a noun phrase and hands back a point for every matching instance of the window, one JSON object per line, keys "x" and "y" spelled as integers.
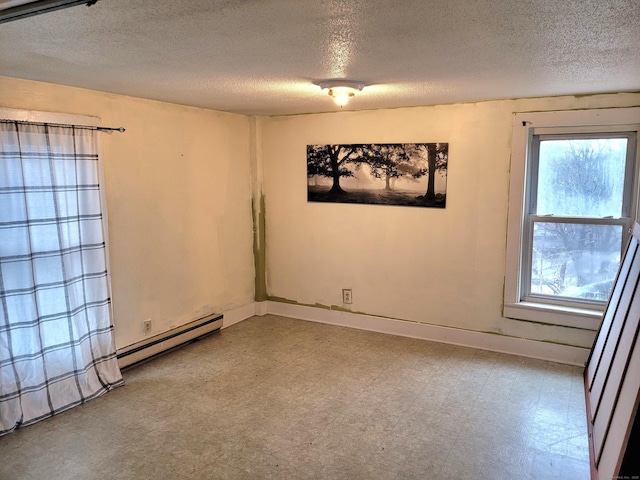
{"x": 56, "y": 334}
{"x": 572, "y": 204}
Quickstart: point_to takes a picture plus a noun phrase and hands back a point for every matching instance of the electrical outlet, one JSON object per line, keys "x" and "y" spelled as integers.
{"x": 146, "y": 326}
{"x": 346, "y": 295}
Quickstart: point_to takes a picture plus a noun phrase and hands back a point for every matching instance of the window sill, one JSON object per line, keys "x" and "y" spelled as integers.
{"x": 554, "y": 315}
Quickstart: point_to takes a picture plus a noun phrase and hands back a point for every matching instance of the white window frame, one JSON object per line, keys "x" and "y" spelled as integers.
{"x": 525, "y": 125}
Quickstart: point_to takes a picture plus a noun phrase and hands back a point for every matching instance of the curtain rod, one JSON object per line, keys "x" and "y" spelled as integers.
{"x": 88, "y": 127}
{"x": 111, "y": 129}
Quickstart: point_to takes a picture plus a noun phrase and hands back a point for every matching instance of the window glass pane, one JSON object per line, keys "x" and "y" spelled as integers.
{"x": 581, "y": 177}
{"x": 575, "y": 260}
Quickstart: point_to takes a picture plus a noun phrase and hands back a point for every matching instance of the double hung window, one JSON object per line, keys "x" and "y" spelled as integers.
{"x": 573, "y": 202}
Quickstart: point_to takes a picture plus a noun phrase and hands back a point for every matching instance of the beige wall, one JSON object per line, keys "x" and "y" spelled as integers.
{"x": 443, "y": 267}
{"x": 180, "y": 184}
{"x": 178, "y": 188}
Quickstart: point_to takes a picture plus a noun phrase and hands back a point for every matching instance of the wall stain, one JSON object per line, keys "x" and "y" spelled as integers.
{"x": 259, "y": 247}
{"x": 338, "y": 308}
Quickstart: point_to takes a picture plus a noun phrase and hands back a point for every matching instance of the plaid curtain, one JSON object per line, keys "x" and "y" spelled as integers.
{"x": 56, "y": 338}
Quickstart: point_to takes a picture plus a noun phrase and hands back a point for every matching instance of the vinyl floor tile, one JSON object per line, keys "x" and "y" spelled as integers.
{"x": 279, "y": 398}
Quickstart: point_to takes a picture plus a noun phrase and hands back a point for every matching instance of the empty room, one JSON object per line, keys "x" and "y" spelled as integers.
{"x": 286, "y": 239}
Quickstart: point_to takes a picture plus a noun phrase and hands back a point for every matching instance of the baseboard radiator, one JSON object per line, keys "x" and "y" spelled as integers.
{"x": 163, "y": 342}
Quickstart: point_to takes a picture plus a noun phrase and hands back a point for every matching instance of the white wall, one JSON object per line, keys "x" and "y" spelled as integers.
{"x": 178, "y": 188}
{"x": 436, "y": 266}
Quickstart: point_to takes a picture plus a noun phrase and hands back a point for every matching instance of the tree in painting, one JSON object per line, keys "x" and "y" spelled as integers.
{"x": 331, "y": 161}
{"x": 437, "y": 155}
{"x": 391, "y": 161}
{"x": 385, "y": 174}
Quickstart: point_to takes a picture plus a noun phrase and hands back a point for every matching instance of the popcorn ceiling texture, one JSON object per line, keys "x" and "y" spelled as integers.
{"x": 262, "y": 58}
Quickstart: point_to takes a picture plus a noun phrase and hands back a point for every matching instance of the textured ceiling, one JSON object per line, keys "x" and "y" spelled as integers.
{"x": 262, "y": 57}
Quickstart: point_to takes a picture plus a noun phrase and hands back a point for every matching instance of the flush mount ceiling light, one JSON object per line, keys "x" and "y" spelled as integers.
{"x": 17, "y": 9}
{"x": 340, "y": 89}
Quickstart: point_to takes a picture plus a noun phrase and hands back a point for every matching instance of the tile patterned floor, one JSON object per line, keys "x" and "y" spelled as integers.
{"x": 277, "y": 398}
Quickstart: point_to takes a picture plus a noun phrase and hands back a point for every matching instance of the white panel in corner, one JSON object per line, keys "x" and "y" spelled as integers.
{"x": 612, "y": 375}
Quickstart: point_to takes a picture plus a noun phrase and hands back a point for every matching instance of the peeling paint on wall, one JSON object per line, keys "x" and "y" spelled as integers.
{"x": 259, "y": 254}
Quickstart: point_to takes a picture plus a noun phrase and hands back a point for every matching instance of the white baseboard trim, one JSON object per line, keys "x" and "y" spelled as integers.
{"x": 235, "y": 315}
{"x": 261, "y": 308}
{"x": 497, "y": 343}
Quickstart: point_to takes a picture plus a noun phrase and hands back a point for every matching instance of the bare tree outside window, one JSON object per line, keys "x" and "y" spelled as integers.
{"x": 580, "y": 184}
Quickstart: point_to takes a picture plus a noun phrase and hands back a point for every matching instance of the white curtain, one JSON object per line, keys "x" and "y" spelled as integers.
{"x": 56, "y": 337}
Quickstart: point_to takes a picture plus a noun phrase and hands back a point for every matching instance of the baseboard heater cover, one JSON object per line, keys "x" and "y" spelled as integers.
{"x": 152, "y": 346}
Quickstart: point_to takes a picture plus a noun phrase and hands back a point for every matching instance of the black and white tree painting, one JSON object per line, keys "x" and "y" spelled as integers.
{"x": 410, "y": 174}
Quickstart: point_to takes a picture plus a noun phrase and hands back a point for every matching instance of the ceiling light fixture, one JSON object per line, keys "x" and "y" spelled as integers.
{"x": 17, "y": 9}
{"x": 340, "y": 89}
